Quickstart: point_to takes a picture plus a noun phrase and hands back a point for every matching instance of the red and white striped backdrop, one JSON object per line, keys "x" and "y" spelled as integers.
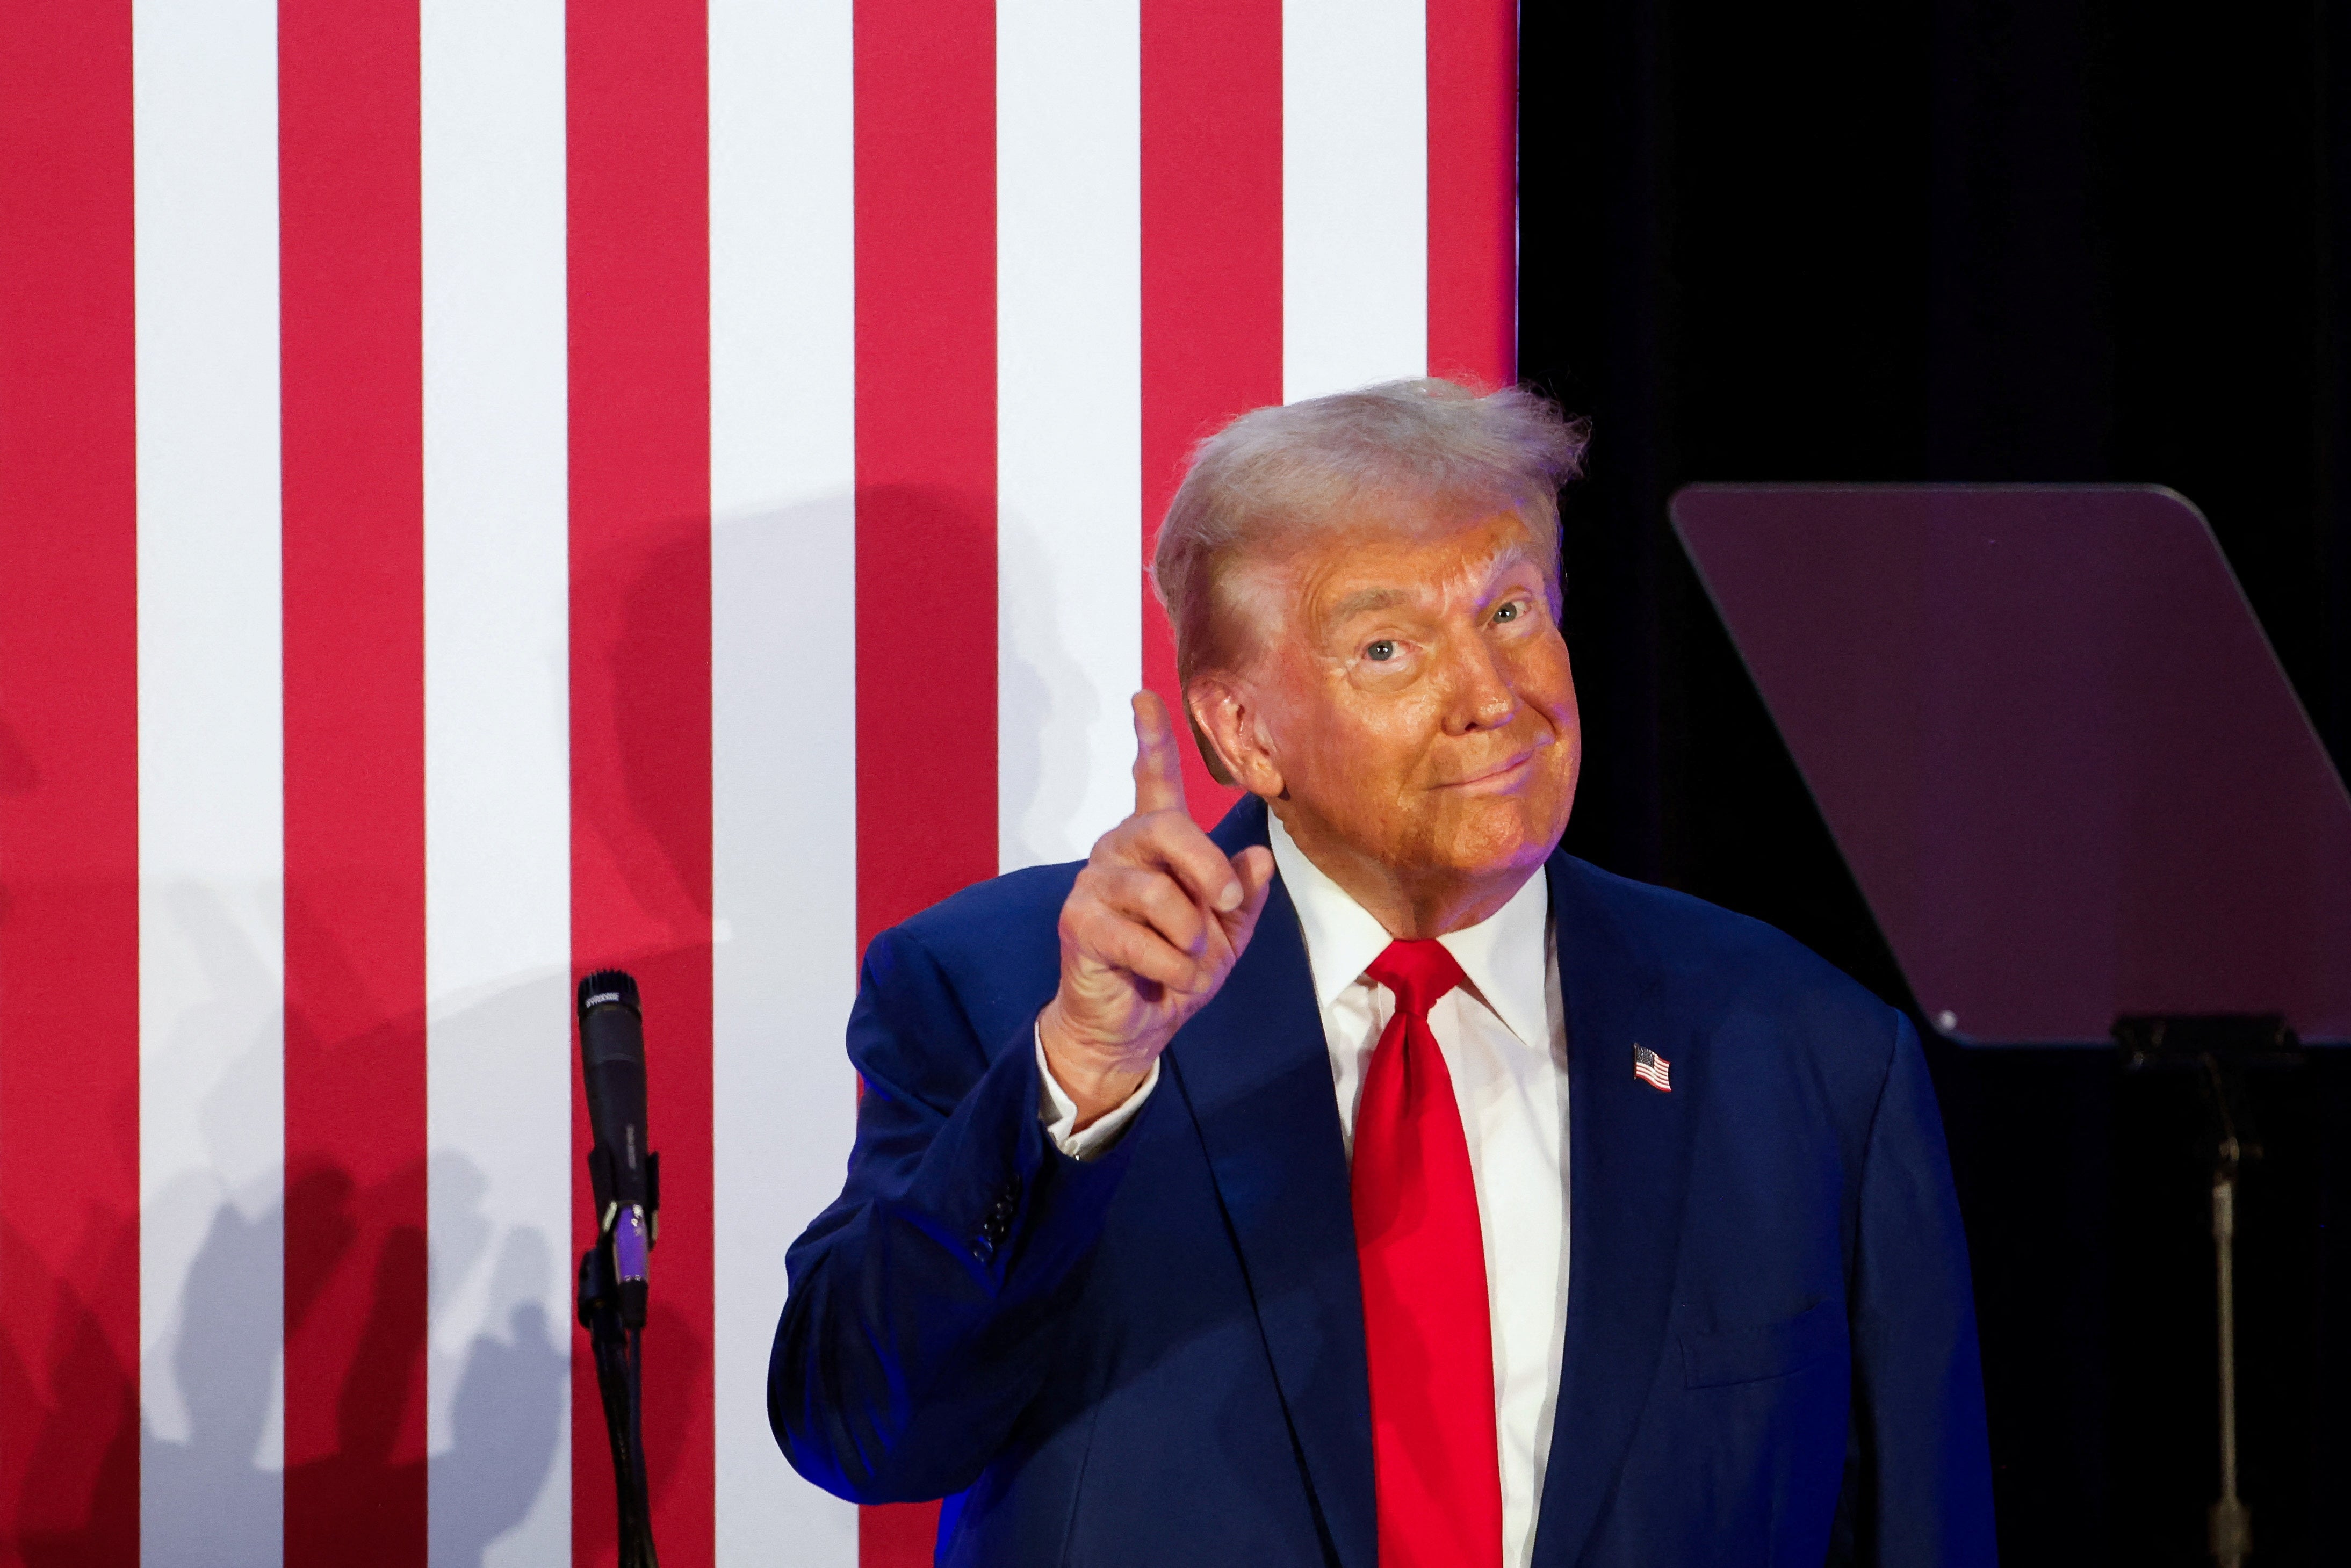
{"x": 490, "y": 489}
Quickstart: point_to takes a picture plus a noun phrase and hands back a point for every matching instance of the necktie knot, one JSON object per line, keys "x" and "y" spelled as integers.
{"x": 1419, "y": 972}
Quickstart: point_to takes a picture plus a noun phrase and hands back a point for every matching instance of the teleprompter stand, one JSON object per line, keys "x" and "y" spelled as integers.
{"x": 619, "y": 1345}
{"x": 2069, "y": 775}
{"x": 2219, "y": 1049}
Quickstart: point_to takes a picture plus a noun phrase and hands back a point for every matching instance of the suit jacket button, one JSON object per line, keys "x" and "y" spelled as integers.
{"x": 983, "y": 1247}
{"x": 998, "y": 1223}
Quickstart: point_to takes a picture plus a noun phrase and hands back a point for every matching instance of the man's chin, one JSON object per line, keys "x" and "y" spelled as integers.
{"x": 1495, "y": 842}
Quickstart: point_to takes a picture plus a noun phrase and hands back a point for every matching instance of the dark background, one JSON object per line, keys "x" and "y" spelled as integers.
{"x": 2024, "y": 240}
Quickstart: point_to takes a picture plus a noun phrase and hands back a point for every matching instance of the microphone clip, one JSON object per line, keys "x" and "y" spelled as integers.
{"x": 600, "y": 1183}
{"x": 625, "y": 1236}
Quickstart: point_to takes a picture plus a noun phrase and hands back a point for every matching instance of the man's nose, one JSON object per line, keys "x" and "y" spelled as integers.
{"x": 1483, "y": 697}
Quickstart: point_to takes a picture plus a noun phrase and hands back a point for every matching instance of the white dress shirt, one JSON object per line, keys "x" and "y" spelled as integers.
{"x": 1506, "y": 1048}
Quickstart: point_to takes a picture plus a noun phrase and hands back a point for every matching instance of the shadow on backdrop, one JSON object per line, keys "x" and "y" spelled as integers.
{"x": 86, "y": 1451}
{"x": 507, "y": 1418}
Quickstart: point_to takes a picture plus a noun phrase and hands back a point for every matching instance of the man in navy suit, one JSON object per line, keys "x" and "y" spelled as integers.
{"x": 1368, "y": 1183}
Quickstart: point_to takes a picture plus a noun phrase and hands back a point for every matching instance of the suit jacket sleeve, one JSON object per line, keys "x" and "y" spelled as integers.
{"x": 1918, "y": 1489}
{"x": 923, "y": 1301}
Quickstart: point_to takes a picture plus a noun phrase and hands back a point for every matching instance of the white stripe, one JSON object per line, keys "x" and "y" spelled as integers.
{"x": 1354, "y": 194}
{"x": 211, "y": 970}
{"x": 1069, "y": 442}
{"x": 496, "y": 782}
{"x": 783, "y": 713}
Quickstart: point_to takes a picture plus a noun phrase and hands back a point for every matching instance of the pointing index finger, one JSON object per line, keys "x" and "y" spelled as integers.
{"x": 1158, "y": 767}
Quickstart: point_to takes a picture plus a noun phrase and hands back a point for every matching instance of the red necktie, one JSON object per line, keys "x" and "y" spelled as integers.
{"x": 1425, "y": 1325}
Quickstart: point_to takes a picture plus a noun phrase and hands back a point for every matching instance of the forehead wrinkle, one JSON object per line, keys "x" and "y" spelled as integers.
{"x": 1483, "y": 578}
{"x": 1301, "y": 575}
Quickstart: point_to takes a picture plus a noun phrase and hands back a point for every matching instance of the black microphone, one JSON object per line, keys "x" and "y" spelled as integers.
{"x": 622, "y": 1170}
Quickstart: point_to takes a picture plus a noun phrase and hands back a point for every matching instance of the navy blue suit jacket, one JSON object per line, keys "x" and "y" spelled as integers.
{"x": 1157, "y": 1358}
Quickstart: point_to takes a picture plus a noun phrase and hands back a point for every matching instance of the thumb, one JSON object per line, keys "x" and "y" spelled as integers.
{"x": 1254, "y": 867}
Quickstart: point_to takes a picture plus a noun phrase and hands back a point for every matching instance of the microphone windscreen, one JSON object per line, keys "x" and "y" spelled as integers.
{"x": 609, "y": 985}
{"x": 605, "y": 1034}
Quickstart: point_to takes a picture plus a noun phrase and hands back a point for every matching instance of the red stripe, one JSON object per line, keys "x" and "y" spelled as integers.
{"x": 1211, "y": 264}
{"x": 925, "y": 154}
{"x": 1473, "y": 224}
{"x": 68, "y": 791}
{"x": 904, "y": 1535}
{"x": 352, "y": 358}
{"x": 925, "y": 151}
{"x": 637, "y": 140}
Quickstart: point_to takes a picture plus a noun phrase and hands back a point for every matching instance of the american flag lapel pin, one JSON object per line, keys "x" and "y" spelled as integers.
{"x": 1652, "y": 1069}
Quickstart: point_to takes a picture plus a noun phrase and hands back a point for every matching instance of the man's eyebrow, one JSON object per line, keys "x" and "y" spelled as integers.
{"x": 1511, "y": 555}
{"x": 1509, "y": 561}
{"x": 1366, "y": 598}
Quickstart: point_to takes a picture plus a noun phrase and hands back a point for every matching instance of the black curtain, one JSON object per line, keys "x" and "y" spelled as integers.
{"x": 2025, "y": 240}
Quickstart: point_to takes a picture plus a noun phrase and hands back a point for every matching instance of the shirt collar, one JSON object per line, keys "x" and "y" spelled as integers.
{"x": 1502, "y": 955}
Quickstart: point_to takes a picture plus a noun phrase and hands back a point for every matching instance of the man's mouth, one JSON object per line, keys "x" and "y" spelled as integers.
{"x": 1506, "y": 774}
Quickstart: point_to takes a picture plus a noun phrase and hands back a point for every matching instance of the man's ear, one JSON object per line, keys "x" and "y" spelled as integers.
{"x": 1226, "y": 728}
{"x": 1209, "y": 752}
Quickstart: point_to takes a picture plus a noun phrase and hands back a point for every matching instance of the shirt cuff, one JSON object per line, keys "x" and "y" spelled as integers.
{"x": 1059, "y": 1112}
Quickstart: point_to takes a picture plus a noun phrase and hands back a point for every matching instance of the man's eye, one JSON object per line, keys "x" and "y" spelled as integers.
{"x": 1507, "y": 613}
{"x": 1380, "y": 651}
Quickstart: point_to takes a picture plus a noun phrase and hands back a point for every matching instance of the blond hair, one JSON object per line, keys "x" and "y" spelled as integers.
{"x": 1395, "y": 453}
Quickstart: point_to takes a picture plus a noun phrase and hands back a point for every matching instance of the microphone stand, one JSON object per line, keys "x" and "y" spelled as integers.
{"x": 619, "y": 1345}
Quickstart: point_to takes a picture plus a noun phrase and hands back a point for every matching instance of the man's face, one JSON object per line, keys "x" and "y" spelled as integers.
{"x": 1416, "y": 701}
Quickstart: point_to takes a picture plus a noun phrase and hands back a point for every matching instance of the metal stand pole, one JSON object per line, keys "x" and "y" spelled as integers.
{"x": 2230, "y": 1527}
{"x": 2219, "y": 1047}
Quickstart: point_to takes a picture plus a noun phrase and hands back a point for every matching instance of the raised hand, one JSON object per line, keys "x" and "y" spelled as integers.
{"x": 1155, "y": 924}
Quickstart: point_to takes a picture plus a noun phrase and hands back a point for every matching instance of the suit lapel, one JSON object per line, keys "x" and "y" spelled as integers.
{"x": 1255, "y": 1070}
{"x": 1629, "y": 1165}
